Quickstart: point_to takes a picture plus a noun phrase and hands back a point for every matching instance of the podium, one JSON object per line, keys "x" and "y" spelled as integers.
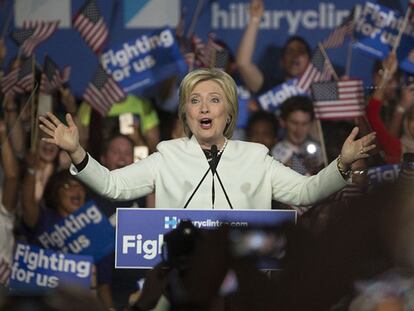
{"x": 140, "y": 232}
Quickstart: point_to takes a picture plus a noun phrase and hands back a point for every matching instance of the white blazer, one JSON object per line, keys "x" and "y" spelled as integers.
{"x": 250, "y": 176}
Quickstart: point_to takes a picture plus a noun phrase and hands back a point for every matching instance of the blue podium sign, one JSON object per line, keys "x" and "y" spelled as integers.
{"x": 140, "y": 232}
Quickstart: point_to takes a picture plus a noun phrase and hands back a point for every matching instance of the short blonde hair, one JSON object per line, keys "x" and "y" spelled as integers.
{"x": 227, "y": 84}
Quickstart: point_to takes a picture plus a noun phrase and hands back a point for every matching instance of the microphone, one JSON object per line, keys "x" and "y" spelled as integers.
{"x": 214, "y": 159}
{"x": 213, "y": 165}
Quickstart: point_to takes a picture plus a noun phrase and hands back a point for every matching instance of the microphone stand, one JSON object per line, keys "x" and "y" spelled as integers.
{"x": 195, "y": 190}
{"x": 214, "y": 160}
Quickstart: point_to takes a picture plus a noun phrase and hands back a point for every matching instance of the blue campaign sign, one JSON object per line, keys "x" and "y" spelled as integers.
{"x": 128, "y": 19}
{"x": 377, "y": 30}
{"x": 272, "y": 99}
{"x": 35, "y": 269}
{"x": 86, "y": 232}
{"x": 140, "y": 232}
{"x": 144, "y": 61}
{"x": 406, "y": 52}
{"x": 384, "y": 173}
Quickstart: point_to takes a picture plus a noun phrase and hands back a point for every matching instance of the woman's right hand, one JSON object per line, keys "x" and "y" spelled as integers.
{"x": 65, "y": 137}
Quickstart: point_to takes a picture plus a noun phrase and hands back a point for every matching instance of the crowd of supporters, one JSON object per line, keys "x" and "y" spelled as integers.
{"x": 37, "y": 189}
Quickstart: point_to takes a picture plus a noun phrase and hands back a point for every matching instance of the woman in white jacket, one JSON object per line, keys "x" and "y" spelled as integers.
{"x": 206, "y": 169}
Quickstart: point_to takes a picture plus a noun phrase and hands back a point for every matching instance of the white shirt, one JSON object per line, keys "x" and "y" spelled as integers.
{"x": 250, "y": 176}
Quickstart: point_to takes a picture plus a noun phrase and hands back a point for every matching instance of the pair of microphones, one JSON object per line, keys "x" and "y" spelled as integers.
{"x": 213, "y": 168}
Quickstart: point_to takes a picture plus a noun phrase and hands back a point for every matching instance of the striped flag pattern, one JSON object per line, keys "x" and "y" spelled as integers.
{"x": 9, "y": 83}
{"x": 338, "y": 99}
{"x": 52, "y": 79}
{"x": 90, "y": 24}
{"x": 337, "y": 37}
{"x": 19, "y": 79}
{"x": 210, "y": 54}
{"x": 26, "y": 79}
{"x": 102, "y": 92}
{"x": 32, "y": 34}
{"x": 319, "y": 69}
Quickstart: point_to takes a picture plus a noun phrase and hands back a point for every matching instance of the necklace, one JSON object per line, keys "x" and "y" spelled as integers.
{"x": 208, "y": 151}
{"x": 223, "y": 147}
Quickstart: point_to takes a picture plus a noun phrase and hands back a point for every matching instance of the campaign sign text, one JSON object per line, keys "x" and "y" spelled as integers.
{"x": 377, "y": 30}
{"x": 384, "y": 173}
{"x": 272, "y": 99}
{"x": 144, "y": 61}
{"x": 140, "y": 232}
{"x": 86, "y": 232}
{"x": 35, "y": 269}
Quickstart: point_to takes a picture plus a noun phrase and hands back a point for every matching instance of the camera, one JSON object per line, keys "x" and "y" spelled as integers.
{"x": 180, "y": 244}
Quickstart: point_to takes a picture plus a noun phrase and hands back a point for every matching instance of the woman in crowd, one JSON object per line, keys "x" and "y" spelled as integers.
{"x": 294, "y": 59}
{"x": 63, "y": 196}
{"x": 208, "y": 109}
{"x": 389, "y": 140}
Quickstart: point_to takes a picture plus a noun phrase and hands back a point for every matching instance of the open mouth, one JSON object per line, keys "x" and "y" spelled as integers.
{"x": 76, "y": 200}
{"x": 206, "y": 123}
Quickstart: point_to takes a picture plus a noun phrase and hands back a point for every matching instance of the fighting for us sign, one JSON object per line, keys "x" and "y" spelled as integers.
{"x": 140, "y": 232}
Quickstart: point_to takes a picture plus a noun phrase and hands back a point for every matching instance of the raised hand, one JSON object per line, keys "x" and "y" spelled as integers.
{"x": 256, "y": 8}
{"x": 353, "y": 150}
{"x": 65, "y": 137}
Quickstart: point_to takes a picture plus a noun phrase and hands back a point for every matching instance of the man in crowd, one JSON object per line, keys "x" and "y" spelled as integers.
{"x": 297, "y": 150}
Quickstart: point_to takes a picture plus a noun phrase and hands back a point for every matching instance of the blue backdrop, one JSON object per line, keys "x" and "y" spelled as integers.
{"x": 128, "y": 19}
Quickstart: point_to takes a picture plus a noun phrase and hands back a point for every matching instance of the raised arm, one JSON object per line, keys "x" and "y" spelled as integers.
{"x": 406, "y": 101}
{"x": 292, "y": 188}
{"x": 11, "y": 171}
{"x": 29, "y": 203}
{"x": 250, "y": 73}
{"x": 126, "y": 183}
{"x": 389, "y": 143}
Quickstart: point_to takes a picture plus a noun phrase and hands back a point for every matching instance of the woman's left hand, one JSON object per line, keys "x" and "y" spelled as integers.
{"x": 353, "y": 150}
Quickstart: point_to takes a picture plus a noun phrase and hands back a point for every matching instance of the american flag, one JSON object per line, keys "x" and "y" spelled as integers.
{"x": 32, "y": 34}
{"x": 319, "y": 69}
{"x": 25, "y": 79}
{"x": 52, "y": 78}
{"x": 211, "y": 54}
{"x": 9, "y": 83}
{"x": 19, "y": 79}
{"x": 338, "y": 99}
{"x": 90, "y": 23}
{"x": 102, "y": 92}
{"x": 337, "y": 37}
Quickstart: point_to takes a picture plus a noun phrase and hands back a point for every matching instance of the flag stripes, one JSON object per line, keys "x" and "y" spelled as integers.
{"x": 91, "y": 26}
{"x": 318, "y": 69}
{"x": 338, "y": 99}
{"x": 32, "y": 34}
{"x": 102, "y": 92}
